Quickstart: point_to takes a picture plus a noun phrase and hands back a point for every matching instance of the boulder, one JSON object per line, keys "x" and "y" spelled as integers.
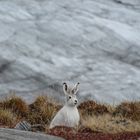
{"x": 13, "y": 134}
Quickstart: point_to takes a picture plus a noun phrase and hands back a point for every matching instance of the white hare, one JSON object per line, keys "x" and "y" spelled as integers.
{"x": 68, "y": 115}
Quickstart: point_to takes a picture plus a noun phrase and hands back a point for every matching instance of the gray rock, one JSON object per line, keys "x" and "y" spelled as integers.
{"x": 96, "y": 42}
{"x": 12, "y": 134}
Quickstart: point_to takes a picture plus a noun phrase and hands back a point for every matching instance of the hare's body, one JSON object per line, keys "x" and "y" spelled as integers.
{"x": 68, "y": 115}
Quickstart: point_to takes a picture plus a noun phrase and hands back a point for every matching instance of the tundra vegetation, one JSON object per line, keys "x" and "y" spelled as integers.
{"x": 95, "y": 117}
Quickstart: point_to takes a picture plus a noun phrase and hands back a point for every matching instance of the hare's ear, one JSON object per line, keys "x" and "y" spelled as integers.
{"x": 75, "y": 89}
{"x": 65, "y": 88}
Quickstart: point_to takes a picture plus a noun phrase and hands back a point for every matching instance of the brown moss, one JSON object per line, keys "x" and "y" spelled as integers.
{"x": 130, "y": 110}
{"x": 16, "y": 105}
{"x": 42, "y": 111}
{"x": 7, "y": 118}
{"x": 91, "y": 107}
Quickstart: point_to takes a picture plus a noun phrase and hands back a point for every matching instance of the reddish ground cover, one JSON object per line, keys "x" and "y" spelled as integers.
{"x": 87, "y": 134}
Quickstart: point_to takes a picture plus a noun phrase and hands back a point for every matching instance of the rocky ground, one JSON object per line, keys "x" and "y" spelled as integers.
{"x": 46, "y": 42}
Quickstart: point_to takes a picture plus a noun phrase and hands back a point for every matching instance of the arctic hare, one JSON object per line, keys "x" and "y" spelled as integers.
{"x": 68, "y": 115}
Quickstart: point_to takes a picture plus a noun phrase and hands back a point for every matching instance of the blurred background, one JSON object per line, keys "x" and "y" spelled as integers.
{"x": 44, "y": 43}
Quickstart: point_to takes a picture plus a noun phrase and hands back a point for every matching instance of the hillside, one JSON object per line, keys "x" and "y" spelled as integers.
{"x": 46, "y": 42}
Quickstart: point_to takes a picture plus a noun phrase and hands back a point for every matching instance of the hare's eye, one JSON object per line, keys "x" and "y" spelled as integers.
{"x": 69, "y": 97}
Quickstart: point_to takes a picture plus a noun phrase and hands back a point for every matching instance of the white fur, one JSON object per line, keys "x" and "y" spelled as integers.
{"x": 68, "y": 115}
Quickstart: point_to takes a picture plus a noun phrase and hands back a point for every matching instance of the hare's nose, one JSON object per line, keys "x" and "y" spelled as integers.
{"x": 75, "y": 101}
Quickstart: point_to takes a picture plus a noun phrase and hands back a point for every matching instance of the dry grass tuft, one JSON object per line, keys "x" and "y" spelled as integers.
{"x": 7, "y": 118}
{"x": 16, "y": 105}
{"x": 40, "y": 100}
{"x": 42, "y": 111}
{"x": 108, "y": 124}
{"x": 91, "y": 107}
{"x": 129, "y": 110}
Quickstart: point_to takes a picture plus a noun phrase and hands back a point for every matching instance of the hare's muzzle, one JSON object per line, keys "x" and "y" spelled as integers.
{"x": 76, "y": 102}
